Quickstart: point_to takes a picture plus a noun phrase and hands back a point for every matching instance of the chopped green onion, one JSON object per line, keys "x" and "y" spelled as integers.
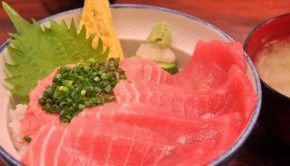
{"x": 116, "y": 64}
{"x": 81, "y": 106}
{"x": 83, "y": 92}
{"x": 106, "y": 99}
{"x": 58, "y": 75}
{"x": 122, "y": 77}
{"x": 82, "y": 86}
{"x": 27, "y": 139}
{"x": 103, "y": 84}
{"x": 97, "y": 79}
{"x": 104, "y": 76}
{"x": 41, "y": 101}
{"x": 108, "y": 89}
{"x": 97, "y": 90}
{"x": 63, "y": 89}
{"x": 114, "y": 83}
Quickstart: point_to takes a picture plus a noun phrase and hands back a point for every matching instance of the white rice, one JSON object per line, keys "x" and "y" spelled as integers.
{"x": 15, "y": 117}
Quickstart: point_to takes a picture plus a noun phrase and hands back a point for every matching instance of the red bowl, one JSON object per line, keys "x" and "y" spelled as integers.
{"x": 275, "y": 110}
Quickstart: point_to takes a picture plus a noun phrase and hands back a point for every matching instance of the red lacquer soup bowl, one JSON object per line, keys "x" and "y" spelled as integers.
{"x": 271, "y": 38}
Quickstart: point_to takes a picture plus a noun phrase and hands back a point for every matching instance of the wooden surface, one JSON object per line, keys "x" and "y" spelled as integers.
{"x": 236, "y": 18}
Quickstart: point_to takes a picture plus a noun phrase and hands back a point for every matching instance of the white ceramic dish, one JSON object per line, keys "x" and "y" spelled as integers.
{"x": 133, "y": 23}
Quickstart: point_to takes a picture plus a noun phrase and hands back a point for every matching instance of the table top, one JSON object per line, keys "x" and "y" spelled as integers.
{"x": 236, "y": 18}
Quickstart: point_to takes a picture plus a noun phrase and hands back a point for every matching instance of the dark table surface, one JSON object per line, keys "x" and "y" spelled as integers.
{"x": 236, "y": 18}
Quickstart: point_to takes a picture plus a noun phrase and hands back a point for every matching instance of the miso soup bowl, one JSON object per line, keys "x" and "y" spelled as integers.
{"x": 275, "y": 110}
{"x": 132, "y": 28}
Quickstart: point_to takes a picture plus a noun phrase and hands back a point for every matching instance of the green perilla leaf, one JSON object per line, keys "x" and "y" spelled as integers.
{"x": 37, "y": 51}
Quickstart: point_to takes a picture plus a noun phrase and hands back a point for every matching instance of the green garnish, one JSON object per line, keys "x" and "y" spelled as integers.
{"x": 27, "y": 139}
{"x": 158, "y": 48}
{"x": 82, "y": 86}
{"x": 36, "y": 52}
{"x": 160, "y": 35}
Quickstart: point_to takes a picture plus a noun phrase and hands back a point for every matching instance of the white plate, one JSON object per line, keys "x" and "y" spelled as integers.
{"x": 133, "y": 23}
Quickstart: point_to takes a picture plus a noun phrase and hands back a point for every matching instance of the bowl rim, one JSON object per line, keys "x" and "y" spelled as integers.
{"x": 246, "y": 46}
{"x": 251, "y": 124}
{"x": 260, "y": 25}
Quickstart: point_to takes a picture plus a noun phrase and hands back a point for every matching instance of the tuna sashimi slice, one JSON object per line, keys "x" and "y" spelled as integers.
{"x": 180, "y": 129}
{"x": 96, "y": 143}
{"x": 202, "y": 152}
{"x": 236, "y": 94}
{"x": 144, "y": 69}
{"x": 204, "y": 103}
{"x": 45, "y": 144}
{"x": 199, "y": 138}
{"x": 210, "y": 64}
{"x": 207, "y": 68}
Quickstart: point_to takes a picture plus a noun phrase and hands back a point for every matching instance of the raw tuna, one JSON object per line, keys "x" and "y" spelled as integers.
{"x": 96, "y": 142}
{"x": 105, "y": 135}
{"x": 210, "y": 65}
{"x": 193, "y": 116}
{"x": 178, "y": 128}
{"x": 144, "y": 69}
{"x": 194, "y": 103}
{"x": 34, "y": 116}
{"x": 207, "y": 68}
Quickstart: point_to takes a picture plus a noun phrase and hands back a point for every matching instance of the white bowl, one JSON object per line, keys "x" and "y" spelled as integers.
{"x": 186, "y": 31}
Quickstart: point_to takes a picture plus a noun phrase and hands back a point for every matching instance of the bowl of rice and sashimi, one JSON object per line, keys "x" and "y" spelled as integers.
{"x": 102, "y": 85}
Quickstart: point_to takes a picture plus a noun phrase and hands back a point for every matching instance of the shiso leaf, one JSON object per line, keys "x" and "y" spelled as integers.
{"x": 19, "y": 23}
{"x": 36, "y": 52}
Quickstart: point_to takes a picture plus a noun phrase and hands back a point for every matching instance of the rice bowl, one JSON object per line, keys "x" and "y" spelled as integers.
{"x": 188, "y": 29}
